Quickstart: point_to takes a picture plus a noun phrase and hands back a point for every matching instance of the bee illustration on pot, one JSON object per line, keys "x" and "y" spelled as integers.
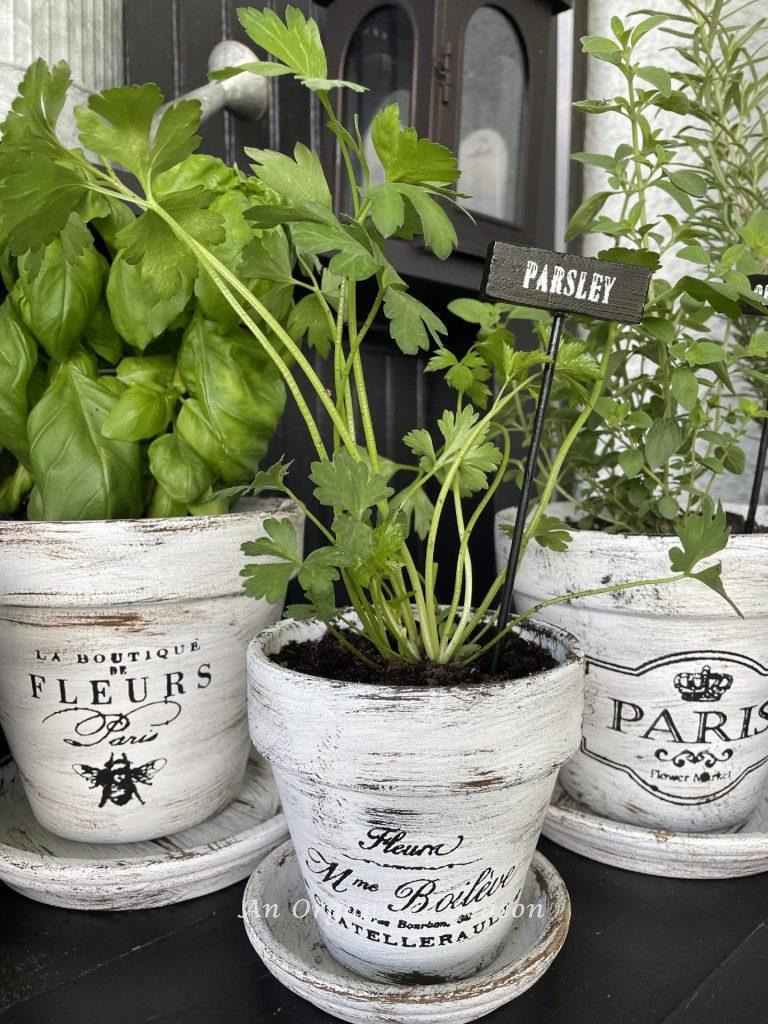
{"x": 118, "y": 778}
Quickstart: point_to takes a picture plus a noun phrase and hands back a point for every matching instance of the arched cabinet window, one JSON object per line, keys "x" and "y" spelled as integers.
{"x": 478, "y": 76}
{"x": 381, "y": 56}
{"x": 494, "y": 83}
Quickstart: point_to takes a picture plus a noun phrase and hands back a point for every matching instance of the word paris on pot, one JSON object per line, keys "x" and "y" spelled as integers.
{"x": 121, "y": 682}
{"x": 414, "y": 811}
{"x": 676, "y": 721}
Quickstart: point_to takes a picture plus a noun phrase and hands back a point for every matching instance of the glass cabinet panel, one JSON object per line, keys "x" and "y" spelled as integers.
{"x": 381, "y": 57}
{"x": 492, "y": 125}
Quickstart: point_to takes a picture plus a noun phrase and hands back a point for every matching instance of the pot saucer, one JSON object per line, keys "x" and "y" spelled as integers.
{"x": 130, "y": 876}
{"x": 292, "y": 949}
{"x": 655, "y": 851}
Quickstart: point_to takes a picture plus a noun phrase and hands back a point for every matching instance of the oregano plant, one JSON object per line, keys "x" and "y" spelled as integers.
{"x": 375, "y": 504}
{"x": 678, "y": 393}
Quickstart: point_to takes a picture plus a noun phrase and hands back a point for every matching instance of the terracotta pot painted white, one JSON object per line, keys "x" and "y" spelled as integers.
{"x": 122, "y": 668}
{"x": 414, "y": 811}
{"x": 676, "y": 718}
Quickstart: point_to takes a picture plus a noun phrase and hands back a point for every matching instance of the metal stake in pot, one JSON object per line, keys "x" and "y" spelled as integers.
{"x": 759, "y": 284}
{"x": 563, "y": 284}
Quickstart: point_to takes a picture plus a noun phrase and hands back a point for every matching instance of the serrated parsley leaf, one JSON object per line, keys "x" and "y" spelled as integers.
{"x": 34, "y": 112}
{"x": 411, "y": 323}
{"x": 295, "y": 43}
{"x": 701, "y": 535}
{"x": 117, "y": 124}
{"x": 348, "y": 485}
{"x": 480, "y": 458}
{"x": 164, "y": 259}
{"x": 299, "y": 180}
{"x": 356, "y": 256}
{"x": 270, "y": 579}
{"x": 407, "y": 158}
{"x": 268, "y": 258}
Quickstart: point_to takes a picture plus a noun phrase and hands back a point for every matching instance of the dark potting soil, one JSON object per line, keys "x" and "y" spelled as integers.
{"x": 327, "y": 658}
{"x": 735, "y": 520}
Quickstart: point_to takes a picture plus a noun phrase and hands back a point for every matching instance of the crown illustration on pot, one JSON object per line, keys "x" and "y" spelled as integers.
{"x": 704, "y": 685}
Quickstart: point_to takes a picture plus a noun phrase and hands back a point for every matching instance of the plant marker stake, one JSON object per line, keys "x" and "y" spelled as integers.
{"x": 506, "y": 604}
{"x": 562, "y": 284}
{"x": 757, "y": 483}
{"x": 758, "y": 283}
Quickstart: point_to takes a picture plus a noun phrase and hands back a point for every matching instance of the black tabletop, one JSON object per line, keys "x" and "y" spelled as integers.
{"x": 640, "y": 949}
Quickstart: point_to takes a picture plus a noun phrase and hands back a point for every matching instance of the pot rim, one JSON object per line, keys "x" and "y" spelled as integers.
{"x": 257, "y": 655}
{"x": 641, "y": 541}
{"x": 148, "y": 524}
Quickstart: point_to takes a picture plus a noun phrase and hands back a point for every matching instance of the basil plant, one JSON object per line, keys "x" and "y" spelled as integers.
{"x": 237, "y": 249}
{"x": 127, "y": 388}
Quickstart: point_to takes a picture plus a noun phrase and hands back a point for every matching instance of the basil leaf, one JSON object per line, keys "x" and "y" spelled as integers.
{"x": 80, "y": 474}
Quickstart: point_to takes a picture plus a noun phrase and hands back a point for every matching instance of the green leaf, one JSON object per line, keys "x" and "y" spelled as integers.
{"x": 164, "y": 260}
{"x": 143, "y": 410}
{"x": 56, "y": 302}
{"x": 268, "y": 257}
{"x": 101, "y": 335}
{"x": 701, "y": 535}
{"x": 318, "y": 573}
{"x": 481, "y": 458}
{"x": 79, "y": 473}
{"x": 647, "y": 25}
{"x": 117, "y": 124}
{"x": 632, "y": 257}
{"x": 631, "y": 462}
{"x": 668, "y": 507}
{"x": 704, "y": 353}
{"x": 270, "y": 579}
{"x": 308, "y": 317}
{"x": 602, "y": 48}
{"x": 411, "y": 323}
{"x": 712, "y": 577}
{"x": 662, "y": 441}
{"x": 37, "y": 106}
{"x": 658, "y": 78}
{"x": 18, "y": 355}
{"x": 689, "y": 181}
{"x": 138, "y": 312}
{"x": 695, "y": 254}
{"x": 295, "y": 43}
{"x": 389, "y": 210}
{"x": 240, "y": 398}
{"x": 473, "y": 311}
{"x": 550, "y": 533}
{"x": 685, "y": 387}
{"x": 299, "y": 180}
{"x": 585, "y": 214}
{"x": 178, "y": 468}
{"x": 146, "y": 369}
{"x": 407, "y": 158}
{"x": 348, "y": 485}
{"x": 755, "y": 233}
{"x": 356, "y": 257}
{"x": 14, "y": 489}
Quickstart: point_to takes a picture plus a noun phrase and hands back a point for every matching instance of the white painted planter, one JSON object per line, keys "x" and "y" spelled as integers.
{"x": 676, "y": 718}
{"x": 414, "y": 811}
{"x": 122, "y": 682}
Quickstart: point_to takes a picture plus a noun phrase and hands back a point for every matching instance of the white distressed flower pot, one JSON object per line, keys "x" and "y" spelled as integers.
{"x": 676, "y": 717}
{"x": 414, "y": 811}
{"x": 122, "y": 668}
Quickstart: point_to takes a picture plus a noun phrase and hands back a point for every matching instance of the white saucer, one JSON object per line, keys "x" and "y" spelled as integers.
{"x": 129, "y": 876}
{"x": 292, "y": 949}
{"x": 654, "y": 851}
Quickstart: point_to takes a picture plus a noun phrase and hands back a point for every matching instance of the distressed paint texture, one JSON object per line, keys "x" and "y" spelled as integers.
{"x": 414, "y": 811}
{"x": 122, "y": 681}
{"x": 291, "y": 945}
{"x": 658, "y": 852}
{"x": 130, "y": 876}
{"x": 676, "y": 716}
